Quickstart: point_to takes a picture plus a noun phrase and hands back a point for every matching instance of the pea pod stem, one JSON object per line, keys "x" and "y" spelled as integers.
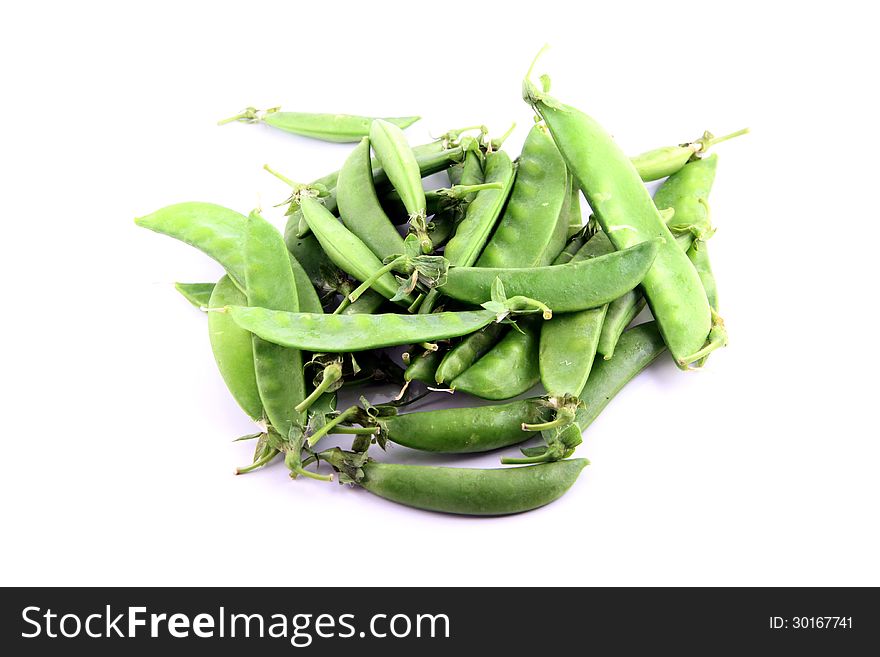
{"x": 375, "y": 276}
{"x": 256, "y": 465}
{"x": 323, "y": 431}
{"x": 249, "y": 115}
{"x": 357, "y": 431}
{"x": 332, "y": 373}
{"x": 311, "y": 475}
{"x": 562, "y": 418}
{"x": 708, "y": 139}
{"x": 287, "y": 181}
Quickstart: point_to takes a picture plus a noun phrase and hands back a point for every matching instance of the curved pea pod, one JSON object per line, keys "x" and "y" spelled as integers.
{"x": 470, "y": 491}
{"x": 458, "y": 359}
{"x": 509, "y": 369}
{"x": 465, "y": 430}
{"x": 216, "y": 231}
{"x": 422, "y": 367}
{"x": 482, "y": 213}
{"x": 359, "y": 206}
{"x": 531, "y": 231}
{"x": 687, "y": 192}
{"x": 621, "y": 312}
{"x": 233, "y": 349}
{"x": 624, "y": 209}
{"x": 339, "y": 128}
{"x": 198, "y": 294}
{"x": 400, "y": 165}
{"x": 565, "y": 288}
{"x": 637, "y": 348}
{"x": 347, "y": 251}
{"x": 346, "y": 333}
{"x": 270, "y": 283}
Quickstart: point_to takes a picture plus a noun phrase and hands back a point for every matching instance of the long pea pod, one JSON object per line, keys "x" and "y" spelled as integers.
{"x": 465, "y": 430}
{"x": 637, "y": 348}
{"x": 347, "y": 251}
{"x": 530, "y": 233}
{"x": 347, "y": 333}
{"x": 339, "y": 128}
{"x": 359, "y": 207}
{"x": 402, "y": 168}
{"x": 198, "y": 294}
{"x": 270, "y": 284}
{"x": 509, "y": 369}
{"x": 624, "y": 209}
{"x": 661, "y": 162}
{"x": 580, "y": 285}
{"x": 465, "y": 491}
{"x": 233, "y": 349}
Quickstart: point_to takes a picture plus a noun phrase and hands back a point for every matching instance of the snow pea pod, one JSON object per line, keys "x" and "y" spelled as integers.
{"x": 198, "y": 294}
{"x": 400, "y": 164}
{"x": 339, "y": 128}
{"x": 530, "y": 233}
{"x": 458, "y": 359}
{"x": 347, "y": 251}
{"x": 588, "y": 283}
{"x": 625, "y": 211}
{"x": 638, "y": 347}
{"x": 698, "y": 253}
{"x": 270, "y": 284}
{"x": 345, "y": 333}
{"x": 509, "y": 369}
{"x": 470, "y": 491}
{"x": 465, "y": 430}
{"x": 662, "y": 162}
{"x": 575, "y": 216}
{"x": 359, "y": 206}
{"x": 233, "y": 349}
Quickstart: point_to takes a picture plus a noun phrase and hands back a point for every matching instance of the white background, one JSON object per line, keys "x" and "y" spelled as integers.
{"x": 116, "y": 454}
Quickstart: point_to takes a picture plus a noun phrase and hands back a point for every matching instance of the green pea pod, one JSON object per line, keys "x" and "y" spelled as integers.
{"x": 324, "y": 275}
{"x": 624, "y": 209}
{"x": 213, "y": 229}
{"x": 400, "y": 164}
{"x": 346, "y": 333}
{"x": 662, "y": 162}
{"x": 198, "y": 294}
{"x": 367, "y": 304}
{"x": 575, "y": 216}
{"x": 233, "y": 349}
{"x": 347, "y": 251}
{"x": 470, "y": 491}
{"x": 270, "y": 284}
{"x": 565, "y": 288}
{"x": 567, "y": 349}
{"x": 359, "y": 206}
{"x": 530, "y": 233}
{"x": 422, "y": 367}
{"x": 458, "y": 359}
{"x": 339, "y": 128}
{"x": 699, "y": 255}
{"x": 465, "y": 430}
{"x": 482, "y": 213}
{"x": 621, "y": 312}
{"x": 308, "y": 299}
{"x": 638, "y": 347}
{"x": 508, "y": 370}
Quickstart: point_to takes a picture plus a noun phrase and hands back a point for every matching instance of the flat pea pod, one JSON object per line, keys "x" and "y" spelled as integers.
{"x": 621, "y": 312}
{"x": 422, "y": 367}
{"x": 637, "y": 348}
{"x": 565, "y": 288}
{"x": 339, "y": 128}
{"x": 213, "y": 229}
{"x": 530, "y": 233}
{"x": 359, "y": 207}
{"x": 662, "y": 162}
{"x": 509, "y": 369}
{"x": 347, "y": 251}
{"x": 458, "y": 359}
{"x": 624, "y": 209}
{"x": 465, "y": 430}
{"x": 482, "y": 213}
{"x": 233, "y": 349}
{"x": 270, "y": 283}
{"x": 198, "y": 294}
{"x": 400, "y": 164}
{"x": 470, "y": 491}
{"x": 346, "y": 333}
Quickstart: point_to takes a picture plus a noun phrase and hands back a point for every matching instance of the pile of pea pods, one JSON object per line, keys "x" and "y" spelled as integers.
{"x": 491, "y": 285}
